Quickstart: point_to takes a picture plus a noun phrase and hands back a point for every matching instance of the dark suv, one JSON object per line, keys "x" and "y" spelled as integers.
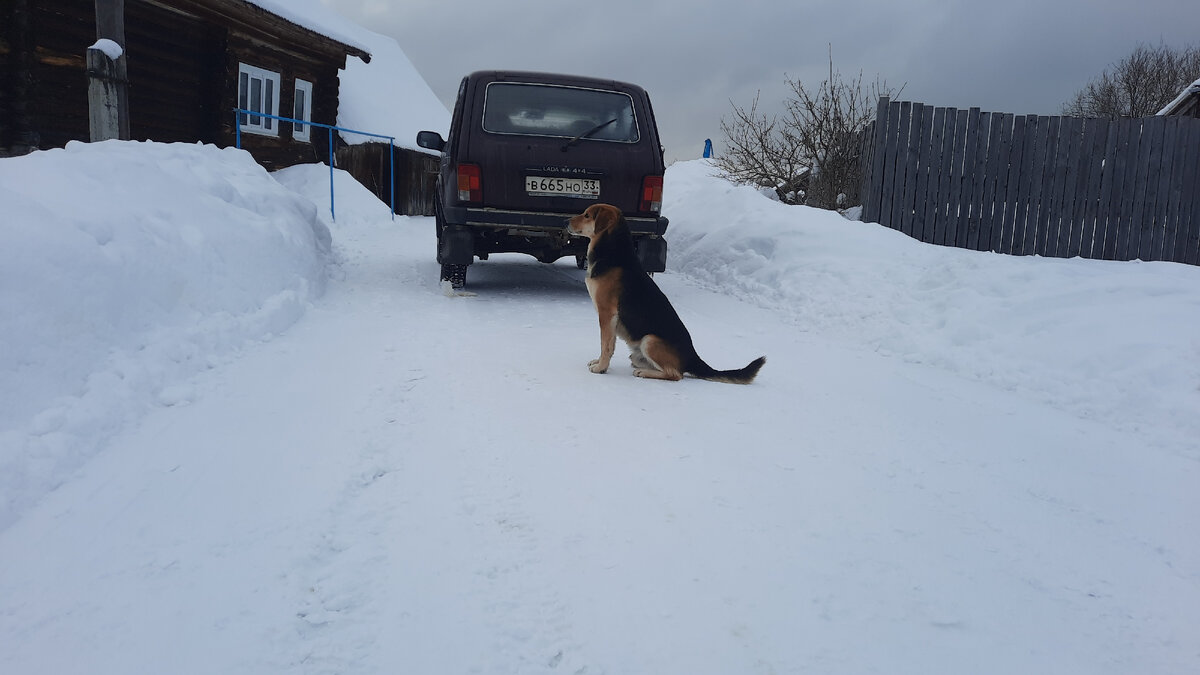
{"x": 528, "y": 150}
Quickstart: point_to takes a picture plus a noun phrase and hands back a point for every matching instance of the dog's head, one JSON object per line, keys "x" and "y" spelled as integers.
{"x": 595, "y": 221}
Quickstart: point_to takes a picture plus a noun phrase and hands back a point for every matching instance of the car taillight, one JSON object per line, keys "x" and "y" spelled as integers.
{"x": 470, "y": 183}
{"x": 652, "y": 187}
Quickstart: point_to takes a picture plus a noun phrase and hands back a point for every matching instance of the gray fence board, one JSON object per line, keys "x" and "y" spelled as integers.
{"x": 887, "y": 199}
{"x": 1097, "y": 156}
{"x": 1083, "y": 176}
{"x": 1142, "y": 172}
{"x": 1064, "y": 174}
{"x": 1162, "y": 202}
{"x": 911, "y": 158}
{"x": 1187, "y": 244}
{"x": 1153, "y": 129}
{"x": 1118, "y": 232}
{"x": 987, "y": 200}
{"x": 924, "y": 157}
{"x": 1055, "y": 165}
{"x": 1052, "y": 186}
{"x": 1040, "y": 169}
{"x": 1174, "y": 225}
{"x": 897, "y": 159}
{"x": 1074, "y": 138}
{"x": 1012, "y": 183}
{"x": 1000, "y": 196}
{"x": 1026, "y": 207}
{"x": 934, "y": 154}
{"x": 942, "y": 227}
{"x": 969, "y": 178}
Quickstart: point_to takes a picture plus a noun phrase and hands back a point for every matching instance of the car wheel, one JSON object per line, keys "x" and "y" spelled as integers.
{"x": 581, "y": 262}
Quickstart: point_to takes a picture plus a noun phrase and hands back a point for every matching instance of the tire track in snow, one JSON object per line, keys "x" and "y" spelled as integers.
{"x": 528, "y": 622}
{"x": 343, "y": 588}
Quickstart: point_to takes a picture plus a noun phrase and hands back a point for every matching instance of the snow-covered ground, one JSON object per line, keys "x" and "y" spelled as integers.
{"x": 238, "y": 438}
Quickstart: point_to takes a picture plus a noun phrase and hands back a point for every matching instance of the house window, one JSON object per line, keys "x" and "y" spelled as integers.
{"x": 303, "y": 110}
{"x": 258, "y": 91}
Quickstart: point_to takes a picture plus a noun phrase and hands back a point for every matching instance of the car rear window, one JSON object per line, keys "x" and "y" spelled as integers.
{"x": 564, "y": 112}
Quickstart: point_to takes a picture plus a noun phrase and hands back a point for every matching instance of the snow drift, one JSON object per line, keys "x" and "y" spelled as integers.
{"x": 1105, "y": 340}
{"x": 129, "y": 267}
{"x": 953, "y": 461}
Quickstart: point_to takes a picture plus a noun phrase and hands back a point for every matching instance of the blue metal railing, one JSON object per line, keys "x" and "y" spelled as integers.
{"x": 237, "y": 124}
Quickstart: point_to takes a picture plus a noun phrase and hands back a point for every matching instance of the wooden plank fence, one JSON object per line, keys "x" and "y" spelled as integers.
{"x": 1034, "y": 185}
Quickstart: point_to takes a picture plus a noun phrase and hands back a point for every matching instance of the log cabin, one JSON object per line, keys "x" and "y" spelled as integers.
{"x": 189, "y": 64}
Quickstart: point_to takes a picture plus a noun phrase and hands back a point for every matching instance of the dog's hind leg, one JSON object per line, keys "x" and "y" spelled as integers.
{"x": 663, "y": 358}
{"x": 637, "y": 358}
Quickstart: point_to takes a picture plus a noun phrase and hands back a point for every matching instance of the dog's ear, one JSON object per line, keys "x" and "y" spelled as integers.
{"x": 606, "y": 217}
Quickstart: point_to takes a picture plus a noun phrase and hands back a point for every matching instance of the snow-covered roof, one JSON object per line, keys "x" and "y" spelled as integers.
{"x": 386, "y": 96}
{"x": 301, "y": 13}
{"x": 1191, "y": 89}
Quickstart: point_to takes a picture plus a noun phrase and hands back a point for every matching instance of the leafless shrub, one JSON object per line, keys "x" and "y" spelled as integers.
{"x": 810, "y": 153}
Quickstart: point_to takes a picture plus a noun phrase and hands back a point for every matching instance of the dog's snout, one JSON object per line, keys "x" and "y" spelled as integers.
{"x": 571, "y": 226}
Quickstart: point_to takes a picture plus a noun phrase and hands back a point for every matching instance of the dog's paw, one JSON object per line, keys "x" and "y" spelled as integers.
{"x": 596, "y": 367}
{"x": 656, "y": 374}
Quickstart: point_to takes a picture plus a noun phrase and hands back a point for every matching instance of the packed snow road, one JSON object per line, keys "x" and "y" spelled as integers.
{"x": 406, "y": 482}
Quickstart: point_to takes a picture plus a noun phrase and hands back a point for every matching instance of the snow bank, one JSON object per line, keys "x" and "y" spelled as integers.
{"x": 321, "y": 502}
{"x": 1111, "y": 340}
{"x": 354, "y": 204}
{"x": 128, "y": 267}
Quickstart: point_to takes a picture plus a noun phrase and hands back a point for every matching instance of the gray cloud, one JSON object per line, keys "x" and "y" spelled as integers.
{"x": 1022, "y": 56}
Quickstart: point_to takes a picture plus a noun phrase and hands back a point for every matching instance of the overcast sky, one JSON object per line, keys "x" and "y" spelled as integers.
{"x": 694, "y": 58}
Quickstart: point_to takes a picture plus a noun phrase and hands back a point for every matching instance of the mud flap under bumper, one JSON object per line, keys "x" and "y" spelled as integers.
{"x": 456, "y": 245}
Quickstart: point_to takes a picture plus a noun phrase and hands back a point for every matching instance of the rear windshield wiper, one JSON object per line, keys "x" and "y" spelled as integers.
{"x": 586, "y": 134}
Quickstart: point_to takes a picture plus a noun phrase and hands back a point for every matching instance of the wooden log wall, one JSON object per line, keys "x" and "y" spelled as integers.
{"x": 182, "y": 59}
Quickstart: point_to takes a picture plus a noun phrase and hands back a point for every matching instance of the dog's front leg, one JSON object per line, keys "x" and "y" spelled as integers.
{"x": 605, "y": 290}
{"x": 608, "y": 343}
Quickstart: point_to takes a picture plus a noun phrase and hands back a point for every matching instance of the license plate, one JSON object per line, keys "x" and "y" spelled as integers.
{"x": 541, "y": 186}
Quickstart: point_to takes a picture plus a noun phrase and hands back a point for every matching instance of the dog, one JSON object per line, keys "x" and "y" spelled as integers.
{"x": 632, "y": 306}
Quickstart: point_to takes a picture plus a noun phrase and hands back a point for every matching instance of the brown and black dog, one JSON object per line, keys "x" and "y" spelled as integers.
{"x": 632, "y": 306}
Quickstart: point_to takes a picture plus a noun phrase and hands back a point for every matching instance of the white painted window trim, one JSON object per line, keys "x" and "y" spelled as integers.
{"x": 258, "y": 91}
{"x": 302, "y": 111}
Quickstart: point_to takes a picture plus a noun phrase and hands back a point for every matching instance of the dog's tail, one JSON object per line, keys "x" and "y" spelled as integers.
{"x": 740, "y": 376}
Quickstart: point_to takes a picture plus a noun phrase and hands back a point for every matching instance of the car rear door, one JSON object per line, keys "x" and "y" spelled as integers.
{"x": 558, "y": 148}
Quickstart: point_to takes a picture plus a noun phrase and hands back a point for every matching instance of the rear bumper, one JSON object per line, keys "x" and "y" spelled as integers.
{"x": 461, "y": 215}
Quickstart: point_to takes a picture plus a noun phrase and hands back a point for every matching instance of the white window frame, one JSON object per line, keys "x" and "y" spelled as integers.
{"x": 258, "y": 91}
{"x": 302, "y": 111}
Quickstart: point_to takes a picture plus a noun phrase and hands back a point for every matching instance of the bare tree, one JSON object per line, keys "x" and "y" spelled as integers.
{"x": 810, "y": 153}
{"x": 1138, "y": 85}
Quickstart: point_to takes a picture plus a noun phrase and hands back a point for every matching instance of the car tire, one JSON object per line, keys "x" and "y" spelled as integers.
{"x": 456, "y": 275}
